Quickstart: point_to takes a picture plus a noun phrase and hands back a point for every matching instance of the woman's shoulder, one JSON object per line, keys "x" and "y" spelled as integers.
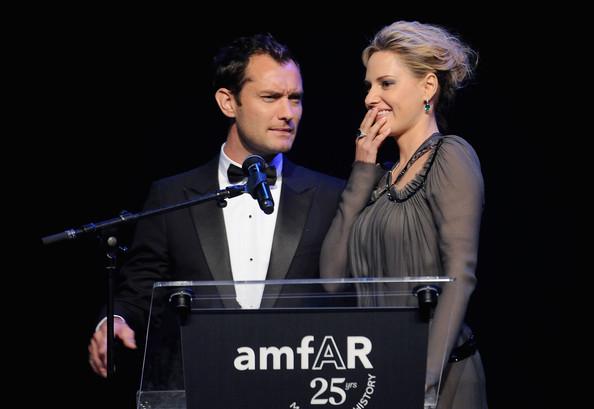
{"x": 456, "y": 142}
{"x": 456, "y": 147}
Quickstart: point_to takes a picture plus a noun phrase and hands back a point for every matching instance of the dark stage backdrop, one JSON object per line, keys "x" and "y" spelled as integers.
{"x": 119, "y": 102}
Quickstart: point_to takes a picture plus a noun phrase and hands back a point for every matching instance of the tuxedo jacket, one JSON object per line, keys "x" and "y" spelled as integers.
{"x": 191, "y": 244}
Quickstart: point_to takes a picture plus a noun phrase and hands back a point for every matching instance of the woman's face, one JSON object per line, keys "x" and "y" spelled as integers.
{"x": 396, "y": 93}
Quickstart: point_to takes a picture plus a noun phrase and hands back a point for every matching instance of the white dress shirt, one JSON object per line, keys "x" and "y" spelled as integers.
{"x": 249, "y": 234}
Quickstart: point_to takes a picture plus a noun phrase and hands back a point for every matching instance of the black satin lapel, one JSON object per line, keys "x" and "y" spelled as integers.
{"x": 293, "y": 210}
{"x": 210, "y": 226}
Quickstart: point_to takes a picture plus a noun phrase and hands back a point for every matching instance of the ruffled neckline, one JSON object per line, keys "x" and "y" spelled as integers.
{"x": 412, "y": 186}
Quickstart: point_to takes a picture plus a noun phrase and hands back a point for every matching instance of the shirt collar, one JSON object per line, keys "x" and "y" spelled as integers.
{"x": 225, "y": 161}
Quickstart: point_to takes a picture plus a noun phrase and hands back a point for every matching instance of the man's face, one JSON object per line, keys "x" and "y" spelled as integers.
{"x": 268, "y": 108}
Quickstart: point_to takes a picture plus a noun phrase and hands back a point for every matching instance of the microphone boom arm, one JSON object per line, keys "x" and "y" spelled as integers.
{"x": 126, "y": 217}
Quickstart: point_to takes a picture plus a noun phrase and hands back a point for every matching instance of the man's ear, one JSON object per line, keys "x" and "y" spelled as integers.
{"x": 226, "y": 101}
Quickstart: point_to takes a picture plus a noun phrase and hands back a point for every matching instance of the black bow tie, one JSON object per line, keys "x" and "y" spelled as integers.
{"x": 235, "y": 174}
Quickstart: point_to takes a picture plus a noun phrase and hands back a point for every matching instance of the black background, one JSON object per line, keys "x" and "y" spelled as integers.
{"x": 108, "y": 101}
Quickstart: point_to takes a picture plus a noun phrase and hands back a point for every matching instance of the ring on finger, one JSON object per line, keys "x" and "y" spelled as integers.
{"x": 359, "y": 134}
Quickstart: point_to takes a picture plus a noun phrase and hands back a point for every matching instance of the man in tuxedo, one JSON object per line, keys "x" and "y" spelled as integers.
{"x": 258, "y": 86}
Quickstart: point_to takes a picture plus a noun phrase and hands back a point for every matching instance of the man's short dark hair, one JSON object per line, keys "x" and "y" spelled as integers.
{"x": 231, "y": 61}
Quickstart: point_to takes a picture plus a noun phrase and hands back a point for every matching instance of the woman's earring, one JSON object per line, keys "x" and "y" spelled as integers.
{"x": 427, "y": 105}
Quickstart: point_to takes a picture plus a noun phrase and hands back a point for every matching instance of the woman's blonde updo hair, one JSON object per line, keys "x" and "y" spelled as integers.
{"x": 427, "y": 48}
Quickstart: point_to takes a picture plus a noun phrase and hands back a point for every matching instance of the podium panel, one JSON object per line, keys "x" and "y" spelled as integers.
{"x": 327, "y": 343}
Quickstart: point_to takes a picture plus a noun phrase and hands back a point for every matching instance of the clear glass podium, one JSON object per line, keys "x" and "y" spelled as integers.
{"x": 325, "y": 343}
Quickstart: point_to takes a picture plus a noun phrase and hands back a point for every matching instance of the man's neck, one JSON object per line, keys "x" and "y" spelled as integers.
{"x": 237, "y": 151}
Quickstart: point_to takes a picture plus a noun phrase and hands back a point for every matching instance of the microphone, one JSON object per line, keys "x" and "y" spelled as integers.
{"x": 253, "y": 167}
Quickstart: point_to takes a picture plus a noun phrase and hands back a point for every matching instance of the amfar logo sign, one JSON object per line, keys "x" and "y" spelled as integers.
{"x": 357, "y": 351}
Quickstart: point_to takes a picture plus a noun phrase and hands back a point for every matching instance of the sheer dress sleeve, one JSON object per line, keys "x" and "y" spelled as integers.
{"x": 455, "y": 194}
{"x": 333, "y": 258}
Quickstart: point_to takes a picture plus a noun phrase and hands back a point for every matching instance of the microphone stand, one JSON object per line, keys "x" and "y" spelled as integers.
{"x": 110, "y": 243}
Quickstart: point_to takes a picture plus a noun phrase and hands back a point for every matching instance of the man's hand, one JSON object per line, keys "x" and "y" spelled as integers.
{"x": 98, "y": 344}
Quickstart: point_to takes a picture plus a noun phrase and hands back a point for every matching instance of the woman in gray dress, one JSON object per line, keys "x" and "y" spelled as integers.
{"x": 421, "y": 217}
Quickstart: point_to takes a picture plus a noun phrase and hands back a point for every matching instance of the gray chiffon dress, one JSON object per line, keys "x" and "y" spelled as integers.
{"x": 429, "y": 227}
